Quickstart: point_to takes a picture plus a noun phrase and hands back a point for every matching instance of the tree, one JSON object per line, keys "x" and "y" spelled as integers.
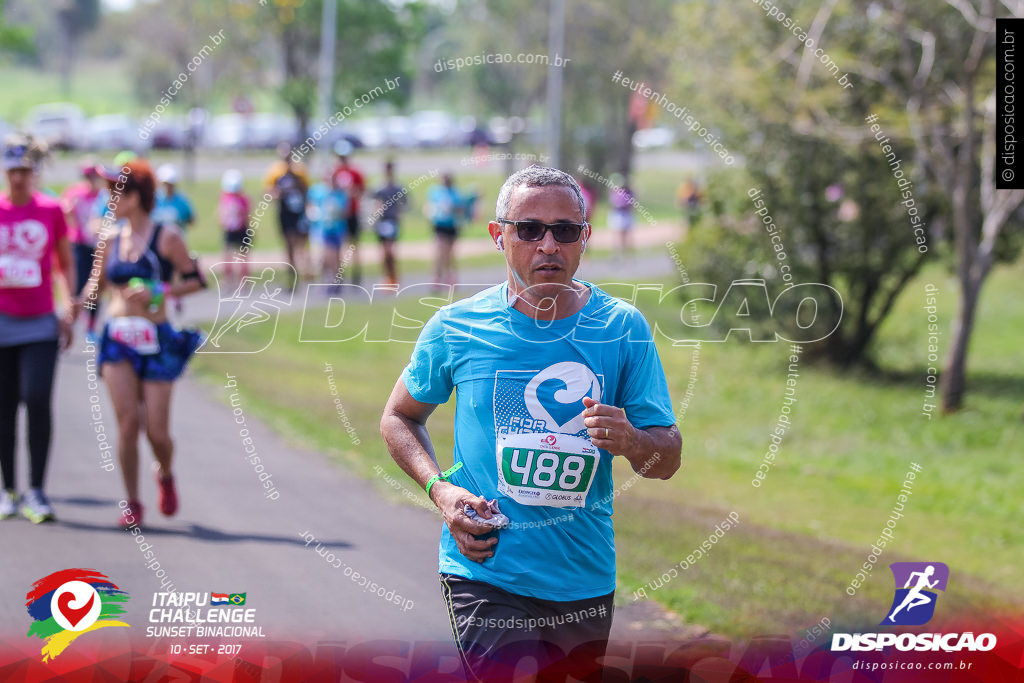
{"x": 489, "y": 86}
{"x": 75, "y": 18}
{"x": 596, "y": 29}
{"x": 944, "y": 66}
{"x": 598, "y": 127}
{"x": 14, "y": 39}
{"x": 168, "y": 35}
{"x": 805, "y": 143}
{"x": 374, "y": 39}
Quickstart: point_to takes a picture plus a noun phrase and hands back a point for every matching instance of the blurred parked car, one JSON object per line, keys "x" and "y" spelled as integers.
{"x": 650, "y": 138}
{"x": 471, "y": 134}
{"x": 434, "y": 129}
{"x": 399, "y": 132}
{"x": 265, "y": 131}
{"x": 225, "y": 131}
{"x": 60, "y": 124}
{"x": 371, "y": 132}
{"x": 111, "y": 131}
{"x": 501, "y": 132}
{"x": 170, "y": 132}
{"x": 335, "y": 134}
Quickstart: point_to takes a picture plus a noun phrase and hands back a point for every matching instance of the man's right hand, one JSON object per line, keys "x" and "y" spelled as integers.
{"x": 450, "y": 500}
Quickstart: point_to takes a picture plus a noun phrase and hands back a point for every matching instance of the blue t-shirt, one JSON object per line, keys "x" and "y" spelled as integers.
{"x": 175, "y": 209}
{"x": 514, "y": 374}
{"x": 327, "y": 209}
{"x": 446, "y": 206}
{"x": 102, "y": 199}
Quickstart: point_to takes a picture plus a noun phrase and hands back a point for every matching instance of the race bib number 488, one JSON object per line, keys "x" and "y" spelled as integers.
{"x": 549, "y": 469}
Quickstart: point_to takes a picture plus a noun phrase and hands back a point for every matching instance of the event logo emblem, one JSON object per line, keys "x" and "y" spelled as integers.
{"x": 256, "y": 300}
{"x": 70, "y": 603}
{"x": 914, "y": 603}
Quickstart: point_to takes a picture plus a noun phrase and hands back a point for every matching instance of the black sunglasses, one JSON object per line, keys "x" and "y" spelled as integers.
{"x": 533, "y": 231}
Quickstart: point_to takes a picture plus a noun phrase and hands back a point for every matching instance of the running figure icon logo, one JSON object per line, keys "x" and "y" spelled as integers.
{"x": 256, "y": 300}
{"x": 914, "y": 603}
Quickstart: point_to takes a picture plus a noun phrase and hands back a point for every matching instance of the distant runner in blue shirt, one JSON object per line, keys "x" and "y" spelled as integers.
{"x": 553, "y": 378}
{"x": 446, "y": 209}
{"x": 171, "y": 205}
{"x": 327, "y": 208}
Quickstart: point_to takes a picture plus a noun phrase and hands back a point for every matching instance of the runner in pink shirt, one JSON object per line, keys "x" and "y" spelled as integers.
{"x": 233, "y": 212}
{"x": 34, "y": 253}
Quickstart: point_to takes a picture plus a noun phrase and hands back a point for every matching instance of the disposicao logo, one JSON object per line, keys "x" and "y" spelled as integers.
{"x": 70, "y": 603}
{"x": 913, "y": 605}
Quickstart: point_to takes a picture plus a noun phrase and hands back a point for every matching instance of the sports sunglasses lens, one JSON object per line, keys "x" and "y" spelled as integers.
{"x": 566, "y": 232}
{"x": 530, "y": 231}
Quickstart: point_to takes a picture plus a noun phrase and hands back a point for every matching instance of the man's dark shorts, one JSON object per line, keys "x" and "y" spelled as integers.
{"x": 293, "y": 224}
{"x": 353, "y": 226}
{"x": 494, "y": 630}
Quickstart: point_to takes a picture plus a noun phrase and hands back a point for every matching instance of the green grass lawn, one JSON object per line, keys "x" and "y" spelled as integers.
{"x": 96, "y": 87}
{"x": 805, "y": 532}
{"x": 100, "y": 86}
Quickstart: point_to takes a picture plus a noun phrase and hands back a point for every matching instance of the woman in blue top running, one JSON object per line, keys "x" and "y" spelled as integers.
{"x": 140, "y": 354}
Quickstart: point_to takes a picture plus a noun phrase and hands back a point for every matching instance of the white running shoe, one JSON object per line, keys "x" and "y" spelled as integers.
{"x": 36, "y": 507}
{"x": 8, "y": 504}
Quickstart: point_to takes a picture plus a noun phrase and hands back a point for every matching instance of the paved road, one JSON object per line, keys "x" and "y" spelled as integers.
{"x": 228, "y": 537}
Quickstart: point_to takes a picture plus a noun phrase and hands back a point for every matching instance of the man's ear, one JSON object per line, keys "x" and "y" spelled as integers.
{"x": 494, "y": 228}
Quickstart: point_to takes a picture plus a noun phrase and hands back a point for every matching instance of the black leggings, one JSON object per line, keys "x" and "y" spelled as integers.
{"x": 26, "y": 376}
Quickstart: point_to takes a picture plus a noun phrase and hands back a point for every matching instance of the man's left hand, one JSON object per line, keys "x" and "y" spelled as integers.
{"x": 608, "y": 427}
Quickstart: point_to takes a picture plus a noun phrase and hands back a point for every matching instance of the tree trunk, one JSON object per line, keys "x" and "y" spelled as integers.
{"x": 66, "y": 53}
{"x": 953, "y": 383}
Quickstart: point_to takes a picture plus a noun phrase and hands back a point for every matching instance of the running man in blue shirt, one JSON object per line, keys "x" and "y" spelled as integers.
{"x": 553, "y": 378}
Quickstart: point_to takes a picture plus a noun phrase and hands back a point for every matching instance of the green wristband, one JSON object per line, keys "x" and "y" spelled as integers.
{"x": 443, "y": 476}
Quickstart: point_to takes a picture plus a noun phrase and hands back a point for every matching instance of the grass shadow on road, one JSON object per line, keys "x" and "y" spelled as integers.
{"x": 83, "y": 501}
{"x": 203, "y": 533}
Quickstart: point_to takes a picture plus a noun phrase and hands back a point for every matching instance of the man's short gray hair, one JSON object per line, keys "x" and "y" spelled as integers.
{"x": 537, "y": 176}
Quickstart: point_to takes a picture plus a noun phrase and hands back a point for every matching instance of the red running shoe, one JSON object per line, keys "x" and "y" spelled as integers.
{"x": 168, "y": 494}
{"x": 131, "y": 515}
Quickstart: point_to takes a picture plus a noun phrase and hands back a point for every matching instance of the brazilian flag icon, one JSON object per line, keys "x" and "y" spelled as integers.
{"x": 237, "y": 598}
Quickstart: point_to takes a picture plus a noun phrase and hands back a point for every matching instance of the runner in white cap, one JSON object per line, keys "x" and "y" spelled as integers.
{"x": 35, "y": 255}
